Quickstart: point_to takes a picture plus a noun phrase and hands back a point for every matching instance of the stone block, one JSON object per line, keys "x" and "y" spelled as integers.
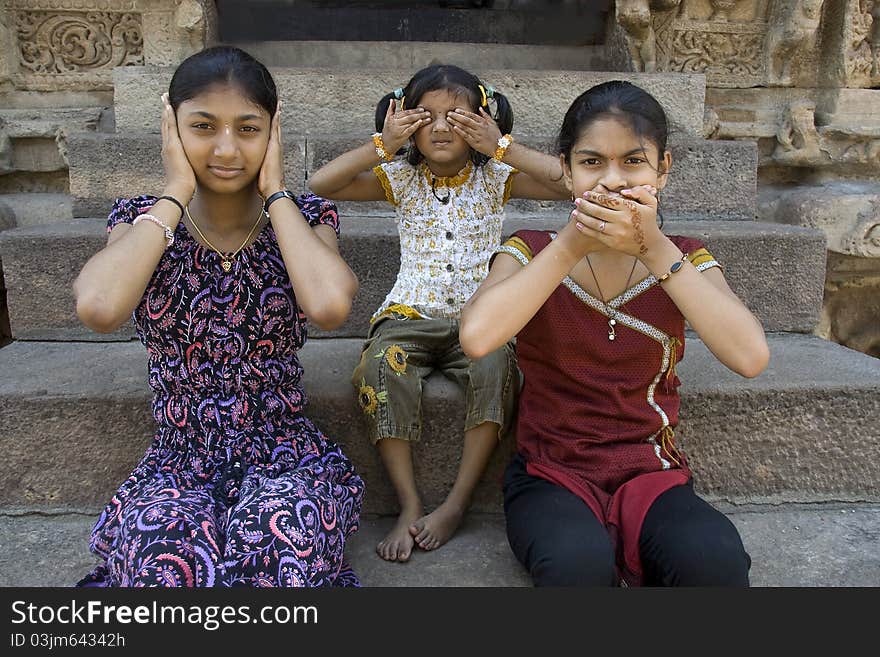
{"x": 412, "y": 56}
{"x": 710, "y": 179}
{"x": 714, "y": 180}
{"x": 104, "y": 167}
{"x": 338, "y": 102}
{"x": 36, "y": 209}
{"x": 837, "y": 540}
{"x": 848, "y": 212}
{"x": 75, "y": 420}
{"x": 777, "y": 270}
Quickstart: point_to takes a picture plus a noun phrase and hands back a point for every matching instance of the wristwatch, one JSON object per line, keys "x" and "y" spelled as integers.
{"x": 277, "y": 195}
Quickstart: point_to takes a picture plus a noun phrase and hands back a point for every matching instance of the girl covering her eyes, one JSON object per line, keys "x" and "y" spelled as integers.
{"x": 448, "y": 187}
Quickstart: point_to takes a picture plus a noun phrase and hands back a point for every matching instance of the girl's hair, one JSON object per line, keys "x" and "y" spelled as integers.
{"x": 449, "y": 78}
{"x": 223, "y": 65}
{"x": 620, "y": 99}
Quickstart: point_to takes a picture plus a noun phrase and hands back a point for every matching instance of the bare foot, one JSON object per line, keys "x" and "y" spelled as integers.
{"x": 398, "y": 544}
{"x": 433, "y": 530}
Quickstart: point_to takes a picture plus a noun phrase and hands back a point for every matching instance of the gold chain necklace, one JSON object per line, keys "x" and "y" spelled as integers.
{"x": 612, "y": 322}
{"x": 225, "y": 260}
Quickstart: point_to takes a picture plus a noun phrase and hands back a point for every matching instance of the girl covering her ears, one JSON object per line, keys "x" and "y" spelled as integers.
{"x": 449, "y": 193}
{"x": 220, "y": 272}
{"x": 598, "y": 492}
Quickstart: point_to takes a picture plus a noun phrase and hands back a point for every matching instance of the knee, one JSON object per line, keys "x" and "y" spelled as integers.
{"x": 719, "y": 561}
{"x": 704, "y": 559}
{"x": 185, "y": 555}
{"x": 574, "y": 564}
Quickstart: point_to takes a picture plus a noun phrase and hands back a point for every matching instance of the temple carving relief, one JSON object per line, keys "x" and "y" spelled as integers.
{"x": 70, "y": 45}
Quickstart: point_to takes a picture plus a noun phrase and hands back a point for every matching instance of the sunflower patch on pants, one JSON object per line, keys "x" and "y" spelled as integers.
{"x": 397, "y": 356}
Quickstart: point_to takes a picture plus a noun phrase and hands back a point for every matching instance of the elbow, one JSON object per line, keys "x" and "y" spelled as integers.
{"x": 332, "y": 312}
{"x": 318, "y": 185}
{"x": 472, "y": 339}
{"x": 94, "y": 310}
{"x": 756, "y": 362}
{"x": 95, "y": 315}
{"x": 330, "y": 316}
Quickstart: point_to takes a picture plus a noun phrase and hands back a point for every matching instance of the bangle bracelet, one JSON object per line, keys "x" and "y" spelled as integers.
{"x": 169, "y": 234}
{"x": 504, "y": 143}
{"x": 678, "y": 264}
{"x": 173, "y": 200}
{"x": 274, "y": 197}
{"x": 380, "y": 147}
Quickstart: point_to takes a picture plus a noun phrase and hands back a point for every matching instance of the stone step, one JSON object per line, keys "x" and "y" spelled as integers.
{"x": 76, "y": 419}
{"x": 572, "y": 23}
{"x": 35, "y": 209}
{"x": 791, "y": 545}
{"x": 714, "y": 179}
{"x": 777, "y": 270}
{"x": 846, "y": 211}
{"x": 329, "y": 101}
{"x": 414, "y": 55}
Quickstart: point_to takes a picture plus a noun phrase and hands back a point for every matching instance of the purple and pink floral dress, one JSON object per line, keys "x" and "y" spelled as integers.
{"x": 238, "y": 487}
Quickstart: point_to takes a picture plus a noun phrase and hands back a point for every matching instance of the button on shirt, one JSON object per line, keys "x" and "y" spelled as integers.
{"x": 444, "y": 248}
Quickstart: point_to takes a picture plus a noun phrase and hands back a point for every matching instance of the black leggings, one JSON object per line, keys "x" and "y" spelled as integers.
{"x": 684, "y": 541}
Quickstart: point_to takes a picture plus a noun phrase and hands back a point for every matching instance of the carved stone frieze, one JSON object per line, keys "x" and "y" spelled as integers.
{"x": 834, "y": 131}
{"x": 851, "y": 307}
{"x": 723, "y": 39}
{"x": 176, "y": 30}
{"x": 859, "y": 56}
{"x": 74, "y": 49}
{"x": 636, "y": 21}
{"x": 791, "y": 37}
{"x": 74, "y": 44}
{"x": 798, "y": 143}
{"x": 750, "y": 43}
{"x": 729, "y": 53}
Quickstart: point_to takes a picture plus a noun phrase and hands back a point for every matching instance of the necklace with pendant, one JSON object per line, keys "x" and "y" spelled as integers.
{"x": 612, "y": 321}
{"x": 225, "y": 258}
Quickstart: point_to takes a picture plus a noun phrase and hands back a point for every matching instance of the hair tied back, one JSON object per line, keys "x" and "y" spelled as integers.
{"x": 483, "y": 94}
{"x": 398, "y": 94}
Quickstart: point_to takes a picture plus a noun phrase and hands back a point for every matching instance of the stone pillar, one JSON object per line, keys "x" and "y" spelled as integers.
{"x": 853, "y": 42}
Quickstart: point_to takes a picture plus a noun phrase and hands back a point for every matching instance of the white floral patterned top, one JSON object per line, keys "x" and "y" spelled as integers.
{"x": 444, "y": 247}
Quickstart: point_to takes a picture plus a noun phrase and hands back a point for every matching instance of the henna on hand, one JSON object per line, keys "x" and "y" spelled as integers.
{"x": 637, "y": 226}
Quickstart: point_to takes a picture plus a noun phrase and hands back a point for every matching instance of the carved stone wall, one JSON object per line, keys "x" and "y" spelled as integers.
{"x": 73, "y": 45}
{"x": 56, "y": 64}
{"x": 799, "y": 77}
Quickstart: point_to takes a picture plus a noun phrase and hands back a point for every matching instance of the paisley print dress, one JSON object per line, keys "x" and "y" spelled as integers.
{"x": 238, "y": 487}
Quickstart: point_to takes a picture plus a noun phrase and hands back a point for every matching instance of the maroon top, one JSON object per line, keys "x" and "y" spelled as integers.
{"x": 597, "y": 416}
